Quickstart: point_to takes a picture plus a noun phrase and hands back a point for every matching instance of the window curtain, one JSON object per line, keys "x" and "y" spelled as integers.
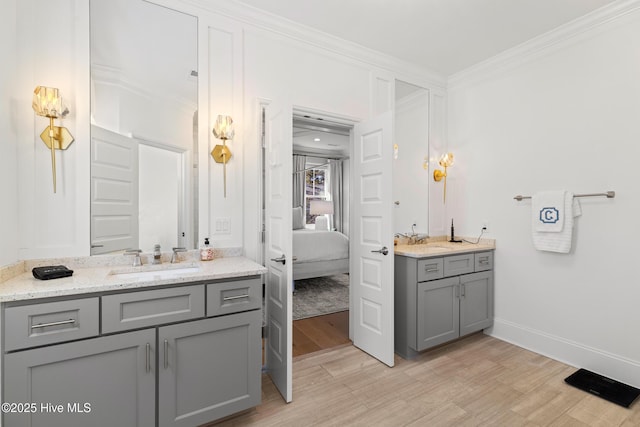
{"x": 299, "y": 163}
{"x": 337, "y": 186}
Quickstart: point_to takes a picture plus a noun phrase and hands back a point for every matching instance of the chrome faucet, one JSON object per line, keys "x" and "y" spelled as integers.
{"x": 413, "y": 237}
{"x": 137, "y": 262}
{"x": 174, "y": 257}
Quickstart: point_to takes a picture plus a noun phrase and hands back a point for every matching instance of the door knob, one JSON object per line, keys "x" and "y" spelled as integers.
{"x": 281, "y": 259}
{"x": 382, "y": 251}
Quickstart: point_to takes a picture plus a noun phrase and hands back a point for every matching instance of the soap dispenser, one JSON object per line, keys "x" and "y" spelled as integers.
{"x": 206, "y": 251}
{"x": 157, "y": 255}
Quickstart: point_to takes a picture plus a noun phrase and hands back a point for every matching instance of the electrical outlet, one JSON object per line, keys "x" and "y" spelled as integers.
{"x": 485, "y": 226}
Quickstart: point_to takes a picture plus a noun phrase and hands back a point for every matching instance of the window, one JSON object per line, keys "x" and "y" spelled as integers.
{"x": 316, "y": 188}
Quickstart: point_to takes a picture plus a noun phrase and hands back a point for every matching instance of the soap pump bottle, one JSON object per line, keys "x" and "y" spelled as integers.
{"x": 157, "y": 255}
{"x": 206, "y": 251}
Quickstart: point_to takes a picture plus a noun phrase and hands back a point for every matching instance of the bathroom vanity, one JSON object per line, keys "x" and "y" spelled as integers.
{"x": 133, "y": 349}
{"x": 442, "y": 291}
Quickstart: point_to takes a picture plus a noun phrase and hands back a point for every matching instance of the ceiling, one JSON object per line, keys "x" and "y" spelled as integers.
{"x": 445, "y": 36}
{"x": 316, "y": 135}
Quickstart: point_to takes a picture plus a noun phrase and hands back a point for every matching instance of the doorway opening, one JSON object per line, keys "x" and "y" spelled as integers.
{"x": 321, "y": 281}
{"x": 369, "y": 224}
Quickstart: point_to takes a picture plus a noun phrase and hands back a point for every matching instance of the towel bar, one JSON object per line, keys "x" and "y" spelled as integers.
{"x": 608, "y": 195}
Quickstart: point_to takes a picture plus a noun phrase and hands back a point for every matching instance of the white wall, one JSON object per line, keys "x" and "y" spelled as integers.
{"x": 565, "y": 117}
{"x": 8, "y": 147}
{"x": 244, "y": 58}
{"x": 52, "y": 224}
{"x": 307, "y": 75}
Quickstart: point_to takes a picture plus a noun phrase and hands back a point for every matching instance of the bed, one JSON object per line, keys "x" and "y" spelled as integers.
{"x": 319, "y": 253}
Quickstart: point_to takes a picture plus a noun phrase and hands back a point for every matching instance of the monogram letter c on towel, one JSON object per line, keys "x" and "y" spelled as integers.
{"x": 549, "y": 215}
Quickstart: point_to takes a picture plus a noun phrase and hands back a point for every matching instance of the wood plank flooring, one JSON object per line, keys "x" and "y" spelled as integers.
{"x": 476, "y": 381}
{"x": 320, "y": 332}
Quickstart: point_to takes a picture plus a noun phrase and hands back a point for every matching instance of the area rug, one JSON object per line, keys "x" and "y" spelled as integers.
{"x": 320, "y": 295}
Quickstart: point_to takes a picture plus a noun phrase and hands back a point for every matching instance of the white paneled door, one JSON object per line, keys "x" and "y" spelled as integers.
{"x": 279, "y": 289}
{"x": 114, "y": 192}
{"x": 371, "y": 243}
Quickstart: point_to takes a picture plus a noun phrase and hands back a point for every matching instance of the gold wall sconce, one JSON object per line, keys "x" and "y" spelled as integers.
{"x": 223, "y": 129}
{"x": 446, "y": 160}
{"x": 48, "y": 103}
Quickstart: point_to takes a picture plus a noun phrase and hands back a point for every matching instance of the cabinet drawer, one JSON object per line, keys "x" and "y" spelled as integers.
{"x": 52, "y": 322}
{"x": 458, "y": 264}
{"x": 148, "y": 308}
{"x": 231, "y": 297}
{"x": 483, "y": 261}
{"x": 430, "y": 269}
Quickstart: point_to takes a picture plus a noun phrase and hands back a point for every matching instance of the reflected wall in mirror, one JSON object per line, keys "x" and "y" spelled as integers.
{"x": 144, "y": 119}
{"x": 410, "y": 164}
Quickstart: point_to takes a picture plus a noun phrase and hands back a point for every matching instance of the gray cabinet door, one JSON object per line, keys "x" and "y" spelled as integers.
{"x": 438, "y": 312}
{"x": 476, "y": 302}
{"x": 106, "y": 381}
{"x": 208, "y": 369}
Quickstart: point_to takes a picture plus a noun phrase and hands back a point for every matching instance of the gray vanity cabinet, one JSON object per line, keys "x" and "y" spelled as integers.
{"x": 170, "y": 356}
{"x": 438, "y": 312}
{"x": 209, "y": 368}
{"x": 105, "y": 381}
{"x": 440, "y": 299}
{"x": 476, "y": 302}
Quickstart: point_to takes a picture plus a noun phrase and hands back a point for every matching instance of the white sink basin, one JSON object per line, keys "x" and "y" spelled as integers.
{"x": 155, "y": 271}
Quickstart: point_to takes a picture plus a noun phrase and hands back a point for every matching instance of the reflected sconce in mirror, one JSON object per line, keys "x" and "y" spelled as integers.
{"x": 445, "y": 161}
{"x": 48, "y": 103}
{"x": 223, "y": 129}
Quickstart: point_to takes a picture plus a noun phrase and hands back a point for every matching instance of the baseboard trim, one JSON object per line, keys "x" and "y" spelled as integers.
{"x": 566, "y": 351}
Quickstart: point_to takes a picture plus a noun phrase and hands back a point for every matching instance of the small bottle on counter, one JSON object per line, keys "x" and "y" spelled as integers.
{"x": 157, "y": 255}
{"x": 206, "y": 251}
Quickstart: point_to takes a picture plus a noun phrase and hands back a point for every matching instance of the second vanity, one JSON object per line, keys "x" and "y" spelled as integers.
{"x": 442, "y": 291}
{"x": 133, "y": 348}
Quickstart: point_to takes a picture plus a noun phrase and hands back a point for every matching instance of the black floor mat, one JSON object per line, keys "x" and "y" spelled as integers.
{"x": 606, "y": 388}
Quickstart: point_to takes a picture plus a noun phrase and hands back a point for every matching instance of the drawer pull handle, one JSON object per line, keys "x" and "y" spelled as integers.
{"x": 484, "y": 261}
{"x": 431, "y": 270}
{"x": 148, "y": 358}
{"x": 45, "y": 325}
{"x": 166, "y": 354}
{"x": 235, "y": 297}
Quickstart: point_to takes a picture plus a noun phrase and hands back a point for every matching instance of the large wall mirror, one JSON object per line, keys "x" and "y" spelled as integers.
{"x": 144, "y": 100}
{"x": 411, "y": 159}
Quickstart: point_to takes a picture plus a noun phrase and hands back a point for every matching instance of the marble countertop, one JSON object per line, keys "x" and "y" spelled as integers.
{"x": 105, "y": 278}
{"x": 443, "y": 248}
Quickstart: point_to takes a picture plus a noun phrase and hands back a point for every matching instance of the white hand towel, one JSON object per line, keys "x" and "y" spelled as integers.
{"x": 556, "y": 241}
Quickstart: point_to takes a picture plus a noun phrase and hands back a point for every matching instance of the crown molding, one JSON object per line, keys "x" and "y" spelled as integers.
{"x": 553, "y": 40}
{"x": 276, "y": 24}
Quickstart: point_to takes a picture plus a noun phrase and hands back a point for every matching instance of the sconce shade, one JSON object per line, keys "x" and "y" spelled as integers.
{"x": 48, "y": 103}
{"x": 223, "y": 129}
{"x": 446, "y": 160}
{"x": 321, "y": 207}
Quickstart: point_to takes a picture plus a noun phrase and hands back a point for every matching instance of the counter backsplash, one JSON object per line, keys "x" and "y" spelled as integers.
{"x": 405, "y": 240}
{"x": 10, "y": 271}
